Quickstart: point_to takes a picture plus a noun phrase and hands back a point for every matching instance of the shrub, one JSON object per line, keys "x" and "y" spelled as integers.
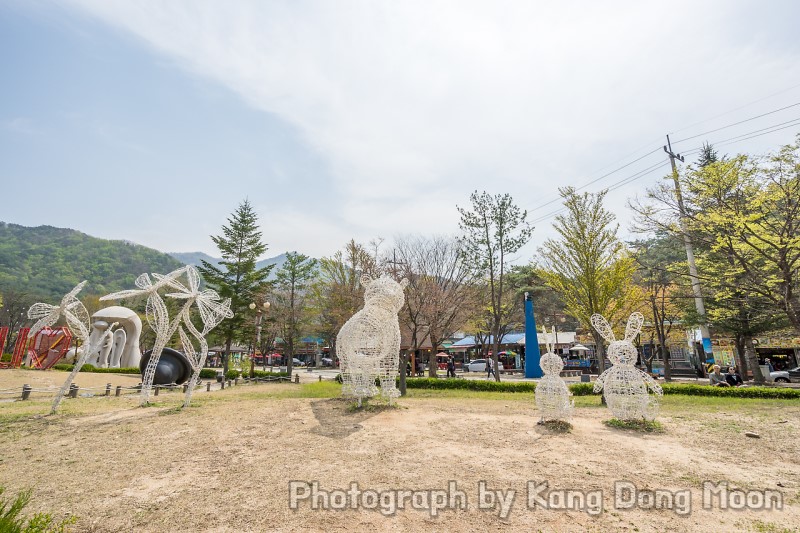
{"x": 208, "y": 373}
{"x": 262, "y": 374}
{"x": 90, "y": 368}
{"x": 12, "y": 522}
{"x": 232, "y": 374}
{"x": 775, "y": 393}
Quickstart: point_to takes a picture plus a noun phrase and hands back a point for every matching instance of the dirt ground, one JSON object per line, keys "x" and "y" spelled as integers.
{"x": 225, "y": 464}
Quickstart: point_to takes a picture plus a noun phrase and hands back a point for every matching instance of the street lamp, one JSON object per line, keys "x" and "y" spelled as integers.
{"x": 263, "y": 309}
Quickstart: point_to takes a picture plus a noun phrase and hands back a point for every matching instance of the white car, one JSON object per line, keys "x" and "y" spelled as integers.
{"x": 479, "y": 365}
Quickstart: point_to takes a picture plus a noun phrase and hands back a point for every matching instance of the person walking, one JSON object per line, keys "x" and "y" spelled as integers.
{"x": 489, "y": 368}
{"x": 451, "y": 367}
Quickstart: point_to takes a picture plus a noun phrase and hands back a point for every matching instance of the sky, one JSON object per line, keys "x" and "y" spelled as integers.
{"x": 152, "y": 121}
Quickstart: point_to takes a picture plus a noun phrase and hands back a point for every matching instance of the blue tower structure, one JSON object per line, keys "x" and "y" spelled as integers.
{"x": 533, "y": 367}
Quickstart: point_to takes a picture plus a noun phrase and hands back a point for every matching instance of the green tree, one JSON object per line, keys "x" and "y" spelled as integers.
{"x": 588, "y": 266}
{"x": 292, "y": 282}
{"x": 336, "y": 294}
{"x": 493, "y": 228}
{"x": 236, "y": 277}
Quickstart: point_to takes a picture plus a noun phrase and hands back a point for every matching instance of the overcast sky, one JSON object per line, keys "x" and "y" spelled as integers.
{"x": 151, "y": 121}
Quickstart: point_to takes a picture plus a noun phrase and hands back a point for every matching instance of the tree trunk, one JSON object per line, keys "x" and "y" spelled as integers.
{"x": 289, "y": 357}
{"x": 752, "y": 359}
{"x": 403, "y": 364}
{"x": 600, "y": 351}
{"x": 740, "y": 358}
{"x": 432, "y": 364}
{"x": 226, "y": 354}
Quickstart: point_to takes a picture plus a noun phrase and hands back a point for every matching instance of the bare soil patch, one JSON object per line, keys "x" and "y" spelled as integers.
{"x": 225, "y": 464}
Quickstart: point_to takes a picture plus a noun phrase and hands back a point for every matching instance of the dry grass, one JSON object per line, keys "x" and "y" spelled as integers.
{"x": 224, "y": 464}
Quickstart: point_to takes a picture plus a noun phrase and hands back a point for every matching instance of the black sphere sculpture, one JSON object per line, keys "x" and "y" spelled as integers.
{"x": 173, "y": 367}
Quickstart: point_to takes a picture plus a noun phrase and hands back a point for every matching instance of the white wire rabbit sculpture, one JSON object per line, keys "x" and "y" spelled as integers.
{"x": 625, "y": 386}
{"x": 552, "y": 395}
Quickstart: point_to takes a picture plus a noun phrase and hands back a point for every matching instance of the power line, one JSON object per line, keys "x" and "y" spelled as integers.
{"x": 737, "y": 123}
{"x": 737, "y": 108}
{"x": 598, "y": 179}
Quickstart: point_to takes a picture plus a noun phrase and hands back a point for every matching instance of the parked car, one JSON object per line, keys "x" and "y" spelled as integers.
{"x": 326, "y": 361}
{"x": 479, "y": 365}
{"x": 785, "y": 376}
{"x": 297, "y": 362}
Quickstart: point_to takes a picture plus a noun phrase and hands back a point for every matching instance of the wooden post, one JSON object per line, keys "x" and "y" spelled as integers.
{"x": 208, "y": 387}
{"x": 320, "y": 379}
{"x": 118, "y": 391}
{"x": 297, "y": 378}
{"x": 222, "y": 385}
{"x": 157, "y": 389}
{"x": 236, "y": 381}
{"x": 108, "y": 389}
{"x": 26, "y": 391}
{"x": 73, "y": 391}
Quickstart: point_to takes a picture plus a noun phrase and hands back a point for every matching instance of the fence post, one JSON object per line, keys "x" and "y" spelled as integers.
{"x": 118, "y": 391}
{"x": 236, "y": 381}
{"x": 73, "y": 391}
{"x": 26, "y": 391}
{"x": 108, "y": 389}
{"x": 208, "y": 387}
{"x": 222, "y": 385}
{"x": 157, "y": 389}
{"x": 320, "y": 379}
{"x": 297, "y": 378}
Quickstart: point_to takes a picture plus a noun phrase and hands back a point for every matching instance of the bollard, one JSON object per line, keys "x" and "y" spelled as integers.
{"x": 222, "y": 385}
{"x": 320, "y": 379}
{"x": 297, "y": 378}
{"x": 236, "y": 381}
{"x": 229, "y": 383}
{"x": 157, "y": 389}
{"x": 73, "y": 391}
{"x": 208, "y": 387}
{"x": 185, "y": 387}
{"x": 118, "y": 391}
{"x": 108, "y": 389}
{"x": 26, "y": 391}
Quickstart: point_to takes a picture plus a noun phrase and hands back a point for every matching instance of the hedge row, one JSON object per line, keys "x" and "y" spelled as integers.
{"x": 91, "y": 368}
{"x": 587, "y": 389}
{"x": 206, "y": 373}
{"x": 776, "y": 393}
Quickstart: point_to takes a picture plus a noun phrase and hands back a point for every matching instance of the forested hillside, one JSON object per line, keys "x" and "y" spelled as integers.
{"x": 47, "y": 261}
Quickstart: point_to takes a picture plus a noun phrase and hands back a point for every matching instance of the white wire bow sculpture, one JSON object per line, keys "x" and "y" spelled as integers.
{"x": 212, "y": 311}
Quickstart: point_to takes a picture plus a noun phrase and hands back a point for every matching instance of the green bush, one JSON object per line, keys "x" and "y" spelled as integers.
{"x": 90, "y": 368}
{"x": 232, "y": 374}
{"x": 773, "y": 393}
{"x": 12, "y": 522}
{"x": 262, "y": 374}
{"x": 208, "y": 373}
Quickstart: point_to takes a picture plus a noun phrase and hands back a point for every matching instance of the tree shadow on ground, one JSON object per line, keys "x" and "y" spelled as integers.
{"x": 338, "y": 418}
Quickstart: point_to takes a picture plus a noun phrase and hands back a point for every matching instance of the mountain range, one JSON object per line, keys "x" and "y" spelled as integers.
{"x": 47, "y": 262}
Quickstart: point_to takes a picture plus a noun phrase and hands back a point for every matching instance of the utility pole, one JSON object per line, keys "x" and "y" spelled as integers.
{"x": 698, "y": 293}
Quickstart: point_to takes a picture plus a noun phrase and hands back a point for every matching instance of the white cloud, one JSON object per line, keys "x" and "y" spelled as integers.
{"x": 414, "y": 104}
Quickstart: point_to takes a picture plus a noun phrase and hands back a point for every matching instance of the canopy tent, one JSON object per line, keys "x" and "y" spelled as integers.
{"x": 579, "y": 348}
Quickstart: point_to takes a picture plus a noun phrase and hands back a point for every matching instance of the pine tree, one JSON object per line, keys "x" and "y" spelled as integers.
{"x": 237, "y": 277}
{"x": 707, "y": 155}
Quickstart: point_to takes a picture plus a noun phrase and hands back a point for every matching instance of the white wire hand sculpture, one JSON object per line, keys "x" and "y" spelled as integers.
{"x": 625, "y": 386}
{"x": 368, "y": 344}
{"x": 552, "y": 394}
{"x": 77, "y": 318}
{"x": 212, "y": 311}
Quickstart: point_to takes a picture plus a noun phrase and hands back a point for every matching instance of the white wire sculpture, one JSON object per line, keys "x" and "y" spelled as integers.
{"x": 625, "y": 386}
{"x": 77, "y": 319}
{"x": 368, "y": 345}
{"x": 211, "y": 309}
{"x": 552, "y": 394}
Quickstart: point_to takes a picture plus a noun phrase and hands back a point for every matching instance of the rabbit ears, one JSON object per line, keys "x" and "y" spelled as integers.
{"x": 633, "y": 328}
{"x": 549, "y": 338}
